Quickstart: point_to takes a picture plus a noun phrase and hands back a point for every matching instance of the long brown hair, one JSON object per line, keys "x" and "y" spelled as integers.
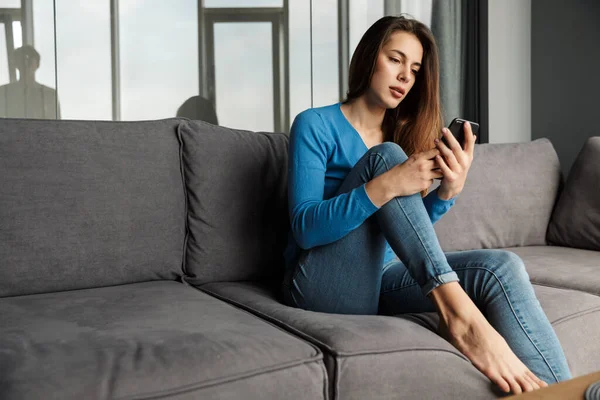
{"x": 417, "y": 120}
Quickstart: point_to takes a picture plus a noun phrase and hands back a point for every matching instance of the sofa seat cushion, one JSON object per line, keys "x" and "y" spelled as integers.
{"x": 159, "y": 339}
{"x": 381, "y": 357}
{"x": 575, "y": 317}
{"x": 369, "y": 357}
{"x": 562, "y": 267}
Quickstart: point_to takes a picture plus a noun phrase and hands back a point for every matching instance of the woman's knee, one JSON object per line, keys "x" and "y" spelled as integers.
{"x": 391, "y": 152}
{"x": 510, "y": 266}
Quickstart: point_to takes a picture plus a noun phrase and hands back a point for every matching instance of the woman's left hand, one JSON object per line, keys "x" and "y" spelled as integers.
{"x": 454, "y": 162}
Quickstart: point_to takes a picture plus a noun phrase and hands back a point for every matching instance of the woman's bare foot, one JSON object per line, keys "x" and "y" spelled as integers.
{"x": 469, "y": 331}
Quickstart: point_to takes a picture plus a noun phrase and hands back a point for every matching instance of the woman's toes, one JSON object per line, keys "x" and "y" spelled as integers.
{"x": 533, "y": 383}
{"x": 537, "y": 380}
{"x": 514, "y": 385}
{"x": 525, "y": 383}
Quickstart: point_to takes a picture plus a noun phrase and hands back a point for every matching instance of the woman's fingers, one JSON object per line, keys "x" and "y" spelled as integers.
{"x": 452, "y": 154}
{"x": 429, "y": 154}
{"x": 470, "y": 138}
{"x": 442, "y": 164}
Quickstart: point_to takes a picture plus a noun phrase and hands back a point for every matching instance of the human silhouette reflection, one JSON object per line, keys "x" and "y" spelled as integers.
{"x": 197, "y": 107}
{"x": 27, "y": 98}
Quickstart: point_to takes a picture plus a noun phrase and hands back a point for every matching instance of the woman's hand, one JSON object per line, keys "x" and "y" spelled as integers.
{"x": 454, "y": 162}
{"x": 415, "y": 174}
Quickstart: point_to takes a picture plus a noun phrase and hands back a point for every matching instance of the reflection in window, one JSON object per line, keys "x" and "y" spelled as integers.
{"x": 26, "y": 97}
{"x": 44, "y": 41}
{"x": 27, "y": 77}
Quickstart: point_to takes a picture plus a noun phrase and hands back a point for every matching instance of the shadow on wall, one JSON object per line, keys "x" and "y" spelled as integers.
{"x": 197, "y": 107}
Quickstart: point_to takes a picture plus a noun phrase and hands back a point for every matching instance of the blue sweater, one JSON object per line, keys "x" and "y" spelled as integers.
{"x": 323, "y": 148}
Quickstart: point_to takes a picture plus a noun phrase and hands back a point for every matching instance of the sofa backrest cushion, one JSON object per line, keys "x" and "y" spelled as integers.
{"x": 576, "y": 219}
{"x": 507, "y": 200}
{"x": 236, "y": 184}
{"x": 88, "y": 204}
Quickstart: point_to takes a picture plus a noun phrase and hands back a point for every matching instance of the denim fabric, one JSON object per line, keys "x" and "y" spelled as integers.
{"x": 348, "y": 276}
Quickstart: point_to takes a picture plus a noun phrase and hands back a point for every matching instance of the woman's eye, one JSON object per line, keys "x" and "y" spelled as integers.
{"x": 395, "y": 60}
{"x": 415, "y": 72}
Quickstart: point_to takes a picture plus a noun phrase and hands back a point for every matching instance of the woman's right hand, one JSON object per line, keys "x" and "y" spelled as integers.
{"x": 415, "y": 174}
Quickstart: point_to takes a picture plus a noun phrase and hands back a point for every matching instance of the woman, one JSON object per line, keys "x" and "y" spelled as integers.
{"x": 356, "y": 171}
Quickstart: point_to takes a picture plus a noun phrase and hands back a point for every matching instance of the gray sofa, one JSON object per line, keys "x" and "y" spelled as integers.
{"x": 142, "y": 260}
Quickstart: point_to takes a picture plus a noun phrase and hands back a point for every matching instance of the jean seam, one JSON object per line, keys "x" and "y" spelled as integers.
{"x": 400, "y": 288}
{"x": 436, "y": 278}
{"x": 516, "y": 316}
{"x": 411, "y": 224}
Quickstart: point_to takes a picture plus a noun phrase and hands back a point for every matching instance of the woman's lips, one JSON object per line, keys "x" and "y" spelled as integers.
{"x": 396, "y": 93}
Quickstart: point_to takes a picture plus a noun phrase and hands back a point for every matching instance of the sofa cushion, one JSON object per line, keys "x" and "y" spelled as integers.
{"x": 562, "y": 267}
{"x": 576, "y": 219}
{"x": 507, "y": 199}
{"x": 575, "y": 317}
{"x": 236, "y": 185}
{"x": 88, "y": 204}
{"x": 369, "y": 357}
{"x": 148, "y": 340}
{"x": 375, "y": 356}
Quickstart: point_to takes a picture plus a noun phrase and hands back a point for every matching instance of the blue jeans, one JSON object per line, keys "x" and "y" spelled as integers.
{"x": 349, "y": 275}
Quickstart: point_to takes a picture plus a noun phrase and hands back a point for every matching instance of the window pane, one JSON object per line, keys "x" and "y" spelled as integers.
{"x": 299, "y": 43}
{"x": 362, "y": 14}
{"x": 325, "y": 53}
{"x": 32, "y": 93}
{"x": 159, "y": 57}
{"x": 43, "y": 36}
{"x": 10, "y": 3}
{"x": 244, "y": 75}
{"x": 84, "y": 65}
{"x": 4, "y": 77}
{"x": 243, "y": 3}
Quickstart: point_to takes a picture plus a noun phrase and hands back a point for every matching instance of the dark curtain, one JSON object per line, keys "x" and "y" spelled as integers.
{"x": 462, "y": 40}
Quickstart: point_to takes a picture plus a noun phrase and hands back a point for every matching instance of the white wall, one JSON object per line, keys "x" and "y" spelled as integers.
{"x": 509, "y": 52}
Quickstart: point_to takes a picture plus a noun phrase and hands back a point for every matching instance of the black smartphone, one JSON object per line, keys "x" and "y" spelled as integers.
{"x": 457, "y": 130}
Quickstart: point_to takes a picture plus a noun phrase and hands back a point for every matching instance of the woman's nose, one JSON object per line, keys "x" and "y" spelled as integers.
{"x": 403, "y": 76}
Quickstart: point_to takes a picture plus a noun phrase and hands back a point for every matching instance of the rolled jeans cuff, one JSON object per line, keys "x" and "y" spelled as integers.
{"x": 439, "y": 280}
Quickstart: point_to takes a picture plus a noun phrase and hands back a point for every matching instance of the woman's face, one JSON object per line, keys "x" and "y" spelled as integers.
{"x": 396, "y": 69}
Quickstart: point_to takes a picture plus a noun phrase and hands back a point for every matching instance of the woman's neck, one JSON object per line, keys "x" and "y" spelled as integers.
{"x": 364, "y": 116}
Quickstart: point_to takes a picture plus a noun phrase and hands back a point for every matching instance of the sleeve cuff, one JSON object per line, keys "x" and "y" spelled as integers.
{"x": 365, "y": 201}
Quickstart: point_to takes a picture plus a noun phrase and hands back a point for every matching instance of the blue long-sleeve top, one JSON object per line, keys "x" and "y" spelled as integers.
{"x": 323, "y": 148}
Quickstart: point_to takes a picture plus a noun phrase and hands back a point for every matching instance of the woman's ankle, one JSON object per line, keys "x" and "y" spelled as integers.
{"x": 453, "y": 304}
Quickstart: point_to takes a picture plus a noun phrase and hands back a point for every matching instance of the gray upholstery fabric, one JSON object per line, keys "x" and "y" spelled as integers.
{"x": 87, "y": 204}
{"x": 148, "y": 340}
{"x": 576, "y": 218}
{"x": 380, "y": 357}
{"x": 562, "y": 267}
{"x": 237, "y": 200}
{"x": 507, "y": 199}
{"x": 575, "y": 317}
